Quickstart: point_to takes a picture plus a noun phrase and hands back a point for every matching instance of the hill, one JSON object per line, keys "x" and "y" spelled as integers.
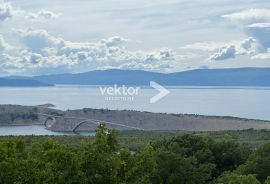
{"x": 8, "y": 82}
{"x": 66, "y": 121}
{"x": 200, "y": 77}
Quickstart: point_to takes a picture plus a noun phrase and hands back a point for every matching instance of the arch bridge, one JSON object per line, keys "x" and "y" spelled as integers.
{"x": 51, "y": 119}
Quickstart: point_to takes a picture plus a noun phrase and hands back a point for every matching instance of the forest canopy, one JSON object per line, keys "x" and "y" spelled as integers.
{"x": 183, "y": 159}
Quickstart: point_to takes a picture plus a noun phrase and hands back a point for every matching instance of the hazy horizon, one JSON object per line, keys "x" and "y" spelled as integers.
{"x": 139, "y": 70}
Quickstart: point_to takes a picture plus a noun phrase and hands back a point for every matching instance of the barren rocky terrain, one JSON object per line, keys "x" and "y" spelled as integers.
{"x": 122, "y": 120}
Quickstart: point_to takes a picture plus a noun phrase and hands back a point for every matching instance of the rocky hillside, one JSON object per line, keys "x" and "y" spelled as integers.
{"x": 22, "y": 115}
{"x": 156, "y": 121}
{"x": 68, "y": 120}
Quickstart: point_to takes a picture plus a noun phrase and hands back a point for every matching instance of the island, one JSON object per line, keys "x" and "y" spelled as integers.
{"x": 87, "y": 119}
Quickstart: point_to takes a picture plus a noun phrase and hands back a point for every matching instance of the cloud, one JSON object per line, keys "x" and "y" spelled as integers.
{"x": 41, "y": 50}
{"x": 7, "y": 12}
{"x": 113, "y": 41}
{"x": 3, "y": 44}
{"x": 248, "y": 44}
{"x": 245, "y": 44}
{"x": 250, "y": 15}
{"x": 224, "y": 53}
{"x": 261, "y": 32}
{"x": 164, "y": 55}
{"x": 204, "y": 46}
{"x": 262, "y": 56}
{"x": 244, "y": 47}
{"x": 222, "y": 50}
{"x": 37, "y": 40}
{"x": 42, "y": 14}
{"x": 259, "y": 25}
{"x": 256, "y": 24}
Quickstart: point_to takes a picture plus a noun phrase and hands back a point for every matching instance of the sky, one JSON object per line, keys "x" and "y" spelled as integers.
{"x": 59, "y": 36}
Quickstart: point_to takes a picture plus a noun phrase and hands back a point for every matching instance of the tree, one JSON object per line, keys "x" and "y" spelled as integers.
{"x": 232, "y": 178}
{"x": 258, "y": 163}
{"x": 186, "y": 159}
{"x": 267, "y": 181}
{"x": 145, "y": 167}
{"x": 228, "y": 155}
{"x": 101, "y": 162}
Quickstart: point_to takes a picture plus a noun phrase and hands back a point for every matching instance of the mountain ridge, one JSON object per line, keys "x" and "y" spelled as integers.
{"x": 197, "y": 77}
{"x": 8, "y": 82}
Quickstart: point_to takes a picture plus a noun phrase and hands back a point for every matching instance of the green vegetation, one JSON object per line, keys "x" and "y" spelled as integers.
{"x": 138, "y": 157}
{"x": 135, "y": 140}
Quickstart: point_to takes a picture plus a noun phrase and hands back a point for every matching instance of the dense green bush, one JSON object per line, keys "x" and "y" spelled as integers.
{"x": 232, "y": 178}
{"x": 183, "y": 159}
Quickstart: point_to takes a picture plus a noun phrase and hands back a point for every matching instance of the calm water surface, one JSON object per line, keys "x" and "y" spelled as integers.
{"x": 26, "y": 130}
{"x": 34, "y": 130}
{"x": 240, "y": 102}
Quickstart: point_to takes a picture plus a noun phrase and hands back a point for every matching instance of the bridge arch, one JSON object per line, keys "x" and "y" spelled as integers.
{"x": 50, "y": 118}
{"x": 84, "y": 122}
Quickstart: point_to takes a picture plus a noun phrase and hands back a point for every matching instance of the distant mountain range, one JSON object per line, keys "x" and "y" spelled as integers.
{"x": 5, "y": 82}
{"x": 200, "y": 77}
